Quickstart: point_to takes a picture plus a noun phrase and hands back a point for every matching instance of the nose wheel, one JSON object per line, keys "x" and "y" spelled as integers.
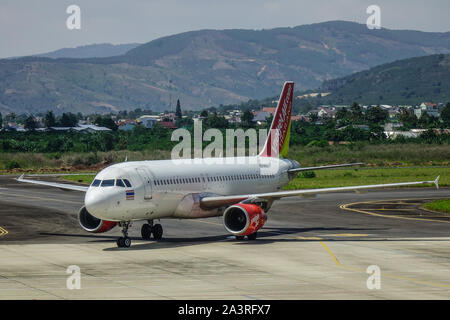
{"x": 125, "y": 241}
{"x": 150, "y": 229}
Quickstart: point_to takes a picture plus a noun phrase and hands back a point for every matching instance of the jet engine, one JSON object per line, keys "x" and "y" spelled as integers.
{"x": 92, "y": 224}
{"x": 243, "y": 219}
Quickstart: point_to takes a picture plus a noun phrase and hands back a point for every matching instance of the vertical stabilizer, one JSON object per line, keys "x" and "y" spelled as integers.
{"x": 281, "y": 125}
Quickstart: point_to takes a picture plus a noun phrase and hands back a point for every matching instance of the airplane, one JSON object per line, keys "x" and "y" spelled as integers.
{"x": 238, "y": 190}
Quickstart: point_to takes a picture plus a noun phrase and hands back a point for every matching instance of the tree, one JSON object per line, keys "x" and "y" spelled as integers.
{"x": 376, "y": 115}
{"x": 215, "y": 121}
{"x": 49, "y": 119}
{"x": 68, "y": 120}
{"x": 247, "y": 118}
{"x": 10, "y": 117}
{"x": 314, "y": 117}
{"x": 178, "y": 113}
{"x": 1, "y": 120}
{"x": 30, "y": 124}
{"x": 408, "y": 118}
{"x": 106, "y": 121}
{"x": 445, "y": 113}
{"x": 342, "y": 114}
{"x": 356, "y": 113}
{"x": 204, "y": 114}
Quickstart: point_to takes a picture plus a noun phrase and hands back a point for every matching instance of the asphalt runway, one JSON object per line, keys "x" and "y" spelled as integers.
{"x": 316, "y": 248}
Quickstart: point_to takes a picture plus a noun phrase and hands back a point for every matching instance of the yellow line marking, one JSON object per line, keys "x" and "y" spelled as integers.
{"x": 386, "y": 209}
{"x": 309, "y": 238}
{"x": 349, "y": 235}
{"x": 332, "y": 255}
{"x": 346, "y": 207}
{"x": 3, "y": 232}
{"x": 429, "y": 283}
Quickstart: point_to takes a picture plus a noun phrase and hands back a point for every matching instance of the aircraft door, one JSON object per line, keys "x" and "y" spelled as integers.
{"x": 145, "y": 177}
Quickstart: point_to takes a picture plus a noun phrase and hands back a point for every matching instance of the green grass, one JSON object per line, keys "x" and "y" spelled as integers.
{"x": 439, "y": 205}
{"x": 347, "y": 177}
{"x": 378, "y": 155}
{"x": 354, "y": 177}
{"x": 82, "y": 178}
{"x": 374, "y": 155}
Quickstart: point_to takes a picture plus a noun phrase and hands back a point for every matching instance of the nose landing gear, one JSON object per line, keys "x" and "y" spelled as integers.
{"x": 124, "y": 242}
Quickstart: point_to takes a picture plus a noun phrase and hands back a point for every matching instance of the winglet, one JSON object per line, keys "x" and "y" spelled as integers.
{"x": 436, "y": 182}
{"x": 21, "y": 177}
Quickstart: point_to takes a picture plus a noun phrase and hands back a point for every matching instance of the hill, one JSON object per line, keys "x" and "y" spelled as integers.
{"x": 91, "y": 51}
{"x": 409, "y": 81}
{"x": 207, "y": 67}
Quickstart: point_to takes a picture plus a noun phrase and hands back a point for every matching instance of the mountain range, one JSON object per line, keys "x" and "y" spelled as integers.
{"x": 101, "y": 50}
{"x": 408, "y": 81}
{"x": 207, "y": 67}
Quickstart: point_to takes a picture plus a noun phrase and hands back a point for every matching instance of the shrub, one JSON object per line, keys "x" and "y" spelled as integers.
{"x": 308, "y": 174}
{"x": 12, "y": 164}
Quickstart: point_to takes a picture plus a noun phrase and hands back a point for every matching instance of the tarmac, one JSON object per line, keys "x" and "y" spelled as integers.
{"x": 376, "y": 245}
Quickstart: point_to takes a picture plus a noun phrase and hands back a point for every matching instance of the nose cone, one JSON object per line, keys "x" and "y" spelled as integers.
{"x": 96, "y": 202}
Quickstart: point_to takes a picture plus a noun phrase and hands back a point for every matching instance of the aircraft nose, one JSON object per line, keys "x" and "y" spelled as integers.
{"x": 96, "y": 203}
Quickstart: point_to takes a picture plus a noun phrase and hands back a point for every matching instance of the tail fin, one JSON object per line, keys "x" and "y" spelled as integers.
{"x": 281, "y": 125}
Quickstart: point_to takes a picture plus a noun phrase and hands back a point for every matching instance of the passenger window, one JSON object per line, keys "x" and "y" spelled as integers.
{"x": 127, "y": 183}
{"x": 95, "y": 183}
{"x": 119, "y": 183}
{"x": 108, "y": 183}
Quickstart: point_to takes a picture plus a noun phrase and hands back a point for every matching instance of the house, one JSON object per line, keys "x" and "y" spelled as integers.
{"x": 413, "y": 133}
{"x": 80, "y": 128}
{"x": 325, "y": 112}
{"x": 167, "y": 124}
{"x": 261, "y": 116}
{"x": 391, "y": 126}
{"x": 359, "y": 126}
{"x": 430, "y": 108}
{"x": 127, "y": 127}
{"x": 148, "y": 121}
{"x": 269, "y": 110}
{"x": 298, "y": 118}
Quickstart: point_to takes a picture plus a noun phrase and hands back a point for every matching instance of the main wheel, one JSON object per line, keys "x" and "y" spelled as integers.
{"x": 123, "y": 242}
{"x": 239, "y": 237}
{"x": 157, "y": 231}
{"x": 252, "y": 236}
{"x": 146, "y": 231}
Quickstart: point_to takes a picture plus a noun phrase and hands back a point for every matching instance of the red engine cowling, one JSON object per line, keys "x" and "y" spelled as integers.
{"x": 243, "y": 219}
{"x": 92, "y": 224}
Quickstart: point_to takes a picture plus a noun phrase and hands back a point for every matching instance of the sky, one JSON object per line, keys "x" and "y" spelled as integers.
{"x": 31, "y": 27}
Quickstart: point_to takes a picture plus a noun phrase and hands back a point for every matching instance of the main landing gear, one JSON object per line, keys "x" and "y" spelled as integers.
{"x": 124, "y": 242}
{"x": 150, "y": 229}
{"x": 251, "y": 236}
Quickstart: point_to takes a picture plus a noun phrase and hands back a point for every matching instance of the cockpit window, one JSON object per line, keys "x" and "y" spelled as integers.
{"x": 127, "y": 183}
{"x": 108, "y": 183}
{"x": 95, "y": 183}
{"x": 119, "y": 183}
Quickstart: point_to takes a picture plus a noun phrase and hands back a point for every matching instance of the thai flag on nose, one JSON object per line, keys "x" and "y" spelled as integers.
{"x": 130, "y": 194}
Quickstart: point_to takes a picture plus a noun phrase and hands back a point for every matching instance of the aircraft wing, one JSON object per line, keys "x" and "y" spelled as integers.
{"x": 325, "y": 167}
{"x": 220, "y": 201}
{"x": 54, "y": 184}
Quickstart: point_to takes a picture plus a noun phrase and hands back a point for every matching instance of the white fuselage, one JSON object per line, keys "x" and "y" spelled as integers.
{"x": 173, "y": 188}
